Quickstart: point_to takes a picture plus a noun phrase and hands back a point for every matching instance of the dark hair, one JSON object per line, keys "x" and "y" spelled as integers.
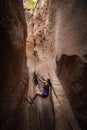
{"x": 35, "y": 79}
{"x": 48, "y": 80}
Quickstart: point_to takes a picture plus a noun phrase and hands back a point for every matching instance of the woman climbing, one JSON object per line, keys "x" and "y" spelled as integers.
{"x": 44, "y": 93}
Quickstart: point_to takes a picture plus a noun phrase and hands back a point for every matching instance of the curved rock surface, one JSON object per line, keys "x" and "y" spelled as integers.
{"x": 13, "y": 70}
{"x": 60, "y": 29}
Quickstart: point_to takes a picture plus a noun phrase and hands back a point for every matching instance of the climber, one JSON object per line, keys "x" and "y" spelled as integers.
{"x": 44, "y": 93}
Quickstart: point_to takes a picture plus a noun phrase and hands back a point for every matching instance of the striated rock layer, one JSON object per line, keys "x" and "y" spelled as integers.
{"x": 60, "y": 34}
{"x": 13, "y": 74}
{"x": 69, "y": 22}
{"x": 60, "y": 29}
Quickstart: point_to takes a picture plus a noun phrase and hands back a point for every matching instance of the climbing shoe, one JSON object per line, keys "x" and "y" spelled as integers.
{"x": 29, "y": 100}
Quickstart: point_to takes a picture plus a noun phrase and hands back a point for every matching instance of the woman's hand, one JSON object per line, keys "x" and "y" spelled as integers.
{"x": 42, "y": 80}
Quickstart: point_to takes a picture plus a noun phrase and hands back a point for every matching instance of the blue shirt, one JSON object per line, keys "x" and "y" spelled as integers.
{"x": 46, "y": 89}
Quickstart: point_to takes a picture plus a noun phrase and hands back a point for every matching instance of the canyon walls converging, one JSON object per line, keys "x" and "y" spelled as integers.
{"x": 57, "y": 42}
{"x": 60, "y": 34}
{"x": 13, "y": 70}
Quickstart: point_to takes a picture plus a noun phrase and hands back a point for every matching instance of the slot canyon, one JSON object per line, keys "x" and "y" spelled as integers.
{"x": 48, "y": 41}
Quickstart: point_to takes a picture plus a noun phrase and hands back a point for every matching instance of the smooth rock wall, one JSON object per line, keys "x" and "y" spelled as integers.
{"x": 69, "y": 21}
{"x": 13, "y": 70}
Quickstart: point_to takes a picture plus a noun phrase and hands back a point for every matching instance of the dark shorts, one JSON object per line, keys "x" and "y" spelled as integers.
{"x": 44, "y": 95}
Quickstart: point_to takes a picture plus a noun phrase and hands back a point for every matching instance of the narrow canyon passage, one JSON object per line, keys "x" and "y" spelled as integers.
{"x": 52, "y": 38}
{"x": 55, "y": 110}
{"x": 47, "y": 38}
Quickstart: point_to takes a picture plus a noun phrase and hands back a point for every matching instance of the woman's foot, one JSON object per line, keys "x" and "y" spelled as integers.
{"x": 29, "y": 100}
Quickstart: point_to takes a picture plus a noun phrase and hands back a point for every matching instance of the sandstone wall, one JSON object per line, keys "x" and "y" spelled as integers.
{"x": 70, "y": 27}
{"x": 13, "y": 71}
{"x": 69, "y": 22}
{"x": 60, "y": 28}
{"x": 62, "y": 25}
{"x": 42, "y": 32}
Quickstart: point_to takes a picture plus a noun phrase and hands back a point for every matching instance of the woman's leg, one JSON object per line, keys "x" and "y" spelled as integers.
{"x": 31, "y": 99}
{"x": 36, "y": 94}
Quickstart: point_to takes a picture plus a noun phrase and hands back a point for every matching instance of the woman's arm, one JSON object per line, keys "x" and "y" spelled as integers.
{"x": 42, "y": 80}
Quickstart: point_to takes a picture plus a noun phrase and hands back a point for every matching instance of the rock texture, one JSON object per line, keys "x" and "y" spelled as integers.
{"x": 72, "y": 73}
{"x": 60, "y": 34}
{"x": 13, "y": 70}
{"x": 69, "y": 34}
{"x": 42, "y": 32}
{"x": 30, "y": 39}
{"x": 38, "y": 47}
